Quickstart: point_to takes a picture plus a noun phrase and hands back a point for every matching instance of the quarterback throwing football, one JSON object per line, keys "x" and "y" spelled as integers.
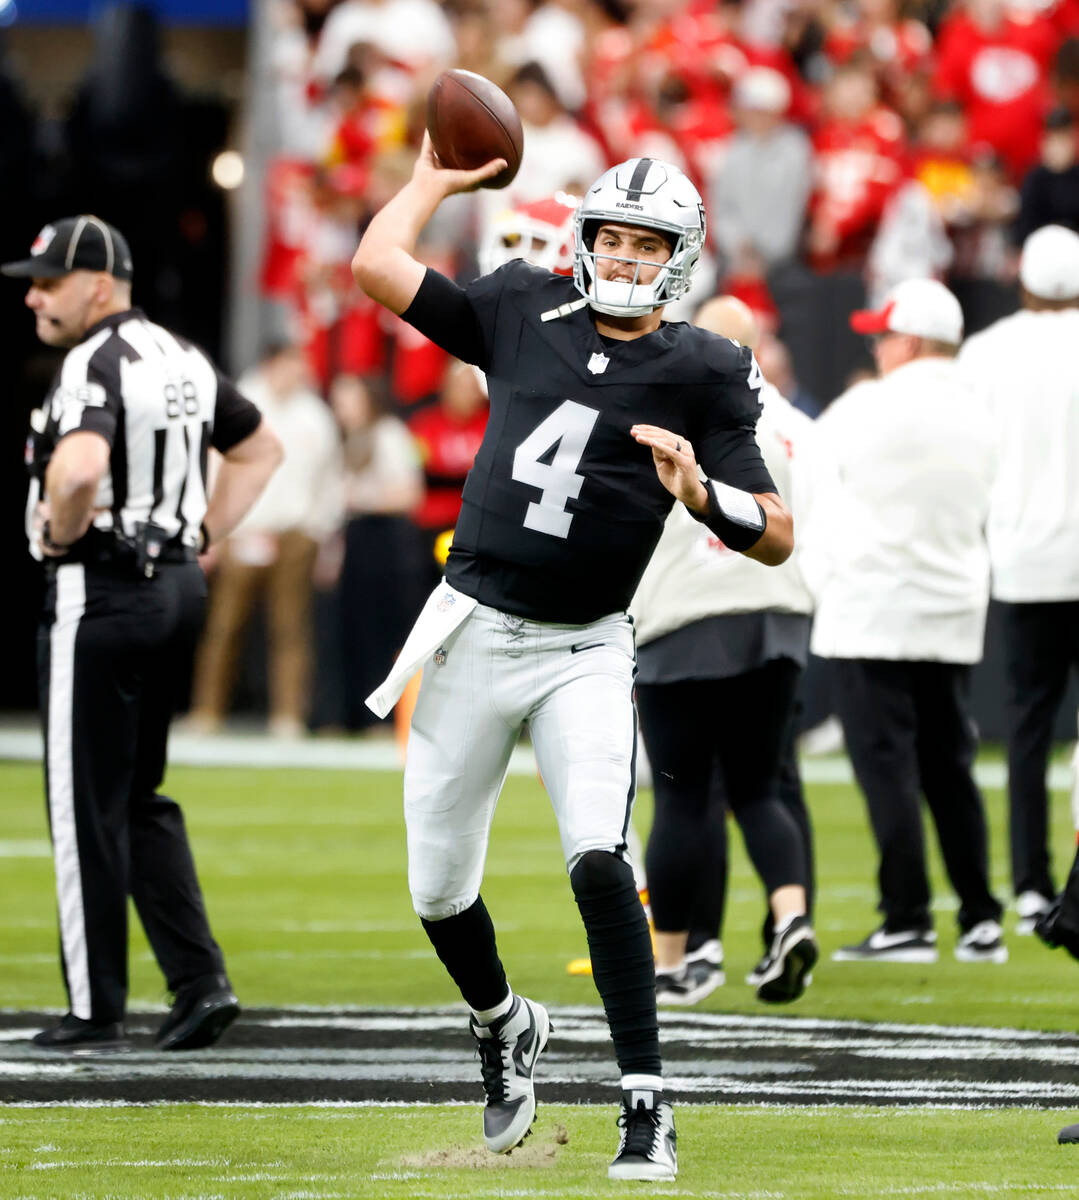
{"x": 600, "y": 415}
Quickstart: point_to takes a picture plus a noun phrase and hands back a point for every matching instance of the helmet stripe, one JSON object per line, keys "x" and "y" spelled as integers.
{"x": 640, "y": 174}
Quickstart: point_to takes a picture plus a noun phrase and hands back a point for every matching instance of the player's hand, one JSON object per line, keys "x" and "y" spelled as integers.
{"x": 675, "y": 463}
{"x": 429, "y": 172}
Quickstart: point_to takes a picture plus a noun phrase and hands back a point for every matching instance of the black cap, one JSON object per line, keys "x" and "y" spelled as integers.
{"x": 82, "y": 243}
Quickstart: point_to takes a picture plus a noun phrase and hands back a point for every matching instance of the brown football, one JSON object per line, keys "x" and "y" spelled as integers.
{"x": 471, "y": 121}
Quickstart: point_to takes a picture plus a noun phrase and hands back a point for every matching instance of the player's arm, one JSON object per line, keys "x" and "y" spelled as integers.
{"x": 385, "y": 265}
{"x": 756, "y": 523}
{"x": 77, "y": 467}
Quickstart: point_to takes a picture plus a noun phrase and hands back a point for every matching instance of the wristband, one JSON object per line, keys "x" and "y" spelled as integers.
{"x": 49, "y": 544}
{"x": 734, "y": 516}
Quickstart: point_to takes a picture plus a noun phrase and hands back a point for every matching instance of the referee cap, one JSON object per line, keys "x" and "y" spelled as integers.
{"x": 83, "y": 243}
{"x": 921, "y": 308}
{"x": 1049, "y": 263}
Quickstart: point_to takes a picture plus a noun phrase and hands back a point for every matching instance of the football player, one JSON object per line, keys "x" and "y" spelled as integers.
{"x": 540, "y": 232}
{"x": 602, "y": 417}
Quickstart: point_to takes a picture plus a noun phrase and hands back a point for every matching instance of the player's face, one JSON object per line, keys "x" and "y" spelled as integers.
{"x": 616, "y": 243}
{"x": 63, "y": 305}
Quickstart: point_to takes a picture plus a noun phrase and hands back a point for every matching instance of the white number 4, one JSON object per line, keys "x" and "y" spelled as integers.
{"x": 755, "y": 378}
{"x": 568, "y": 428}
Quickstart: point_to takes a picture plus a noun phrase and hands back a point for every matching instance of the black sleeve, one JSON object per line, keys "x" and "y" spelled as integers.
{"x": 235, "y": 417}
{"x": 733, "y": 457}
{"x": 88, "y": 403}
{"x": 443, "y": 312}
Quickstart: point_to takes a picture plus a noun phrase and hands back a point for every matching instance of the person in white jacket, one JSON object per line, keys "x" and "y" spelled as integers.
{"x": 895, "y": 554}
{"x": 1025, "y": 366}
{"x": 721, "y": 643}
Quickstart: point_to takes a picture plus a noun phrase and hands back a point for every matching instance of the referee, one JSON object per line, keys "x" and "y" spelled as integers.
{"x": 118, "y": 512}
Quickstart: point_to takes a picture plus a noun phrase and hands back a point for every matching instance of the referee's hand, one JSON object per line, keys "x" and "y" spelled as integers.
{"x": 37, "y": 526}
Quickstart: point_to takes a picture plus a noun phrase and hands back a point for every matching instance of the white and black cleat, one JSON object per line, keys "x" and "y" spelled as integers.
{"x": 647, "y": 1146}
{"x": 509, "y": 1049}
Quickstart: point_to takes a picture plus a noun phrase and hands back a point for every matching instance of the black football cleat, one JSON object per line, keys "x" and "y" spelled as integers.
{"x": 200, "y": 1014}
{"x": 73, "y": 1035}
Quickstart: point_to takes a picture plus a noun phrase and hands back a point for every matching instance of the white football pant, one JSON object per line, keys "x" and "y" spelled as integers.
{"x": 571, "y": 685}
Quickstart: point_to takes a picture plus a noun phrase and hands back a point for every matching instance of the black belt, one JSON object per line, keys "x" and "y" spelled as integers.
{"x": 107, "y": 548}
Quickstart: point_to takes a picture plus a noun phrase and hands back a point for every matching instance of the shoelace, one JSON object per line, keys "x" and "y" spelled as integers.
{"x": 492, "y": 1068}
{"x": 640, "y": 1127}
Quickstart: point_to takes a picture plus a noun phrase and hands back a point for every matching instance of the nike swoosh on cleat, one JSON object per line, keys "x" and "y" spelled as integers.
{"x": 530, "y": 1052}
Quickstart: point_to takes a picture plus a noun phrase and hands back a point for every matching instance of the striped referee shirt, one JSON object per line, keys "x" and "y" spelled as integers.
{"x": 161, "y": 404}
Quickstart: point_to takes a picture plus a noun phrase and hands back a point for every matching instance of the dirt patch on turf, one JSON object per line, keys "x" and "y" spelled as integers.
{"x": 538, "y": 1151}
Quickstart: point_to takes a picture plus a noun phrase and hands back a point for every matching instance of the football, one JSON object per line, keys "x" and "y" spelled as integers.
{"x": 471, "y": 121}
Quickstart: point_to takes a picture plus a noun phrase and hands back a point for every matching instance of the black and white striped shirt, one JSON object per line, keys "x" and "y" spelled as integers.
{"x": 161, "y": 404}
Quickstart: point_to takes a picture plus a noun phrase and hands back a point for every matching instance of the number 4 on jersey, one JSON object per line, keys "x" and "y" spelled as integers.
{"x": 567, "y": 430}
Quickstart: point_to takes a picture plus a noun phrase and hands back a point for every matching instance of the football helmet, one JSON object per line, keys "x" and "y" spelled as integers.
{"x": 654, "y": 195}
{"x": 540, "y": 232}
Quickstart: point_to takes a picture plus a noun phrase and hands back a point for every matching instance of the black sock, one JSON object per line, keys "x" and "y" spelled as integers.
{"x": 622, "y": 962}
{"x": 466, "y": 945}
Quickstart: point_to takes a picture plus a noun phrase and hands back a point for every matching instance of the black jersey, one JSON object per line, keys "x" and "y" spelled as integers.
{"x": 160, "y": 403}
{"x": 563, "y": 508}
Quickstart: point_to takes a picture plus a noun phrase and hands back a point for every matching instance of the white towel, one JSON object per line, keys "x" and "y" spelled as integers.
{"x": 445, "y": 609}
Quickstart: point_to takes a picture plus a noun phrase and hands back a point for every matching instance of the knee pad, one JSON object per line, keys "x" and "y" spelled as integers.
{"x": 599, "y": 873}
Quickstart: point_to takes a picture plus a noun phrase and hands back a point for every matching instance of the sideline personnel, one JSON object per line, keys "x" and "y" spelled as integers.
{"x": 599, "y": 413}
{"x": 719, "y": 633}
{"x": 118, "y": 512}
{"x": 901, "y": 603}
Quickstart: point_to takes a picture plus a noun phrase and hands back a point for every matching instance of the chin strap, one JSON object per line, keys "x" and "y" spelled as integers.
{"x": 564, "y": 310}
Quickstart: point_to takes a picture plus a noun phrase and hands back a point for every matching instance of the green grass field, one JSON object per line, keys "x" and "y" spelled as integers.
{"x": 304, "y": 875}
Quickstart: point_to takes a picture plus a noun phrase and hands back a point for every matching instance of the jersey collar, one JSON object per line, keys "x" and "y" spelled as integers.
{"x": 112, "y": 321}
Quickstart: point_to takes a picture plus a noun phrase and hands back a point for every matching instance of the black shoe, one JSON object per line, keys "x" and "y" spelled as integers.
{"x": 688, "y": 983}
{"x": 784, "y": 973}
{"x": 905, "y": 945}
{"x": 200, "y": 1014}
{"x": 1055, "y": 931}
{"x": 648, "y": 1145}
{"x": 73, "y": 1035}
{"x": 1068, "y": 1135}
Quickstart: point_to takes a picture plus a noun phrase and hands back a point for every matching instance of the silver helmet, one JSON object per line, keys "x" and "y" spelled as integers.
{"x": 651, "y": 194}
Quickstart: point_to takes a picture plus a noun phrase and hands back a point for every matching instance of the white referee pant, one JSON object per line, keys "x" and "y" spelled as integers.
{"x": 572, "y": 686}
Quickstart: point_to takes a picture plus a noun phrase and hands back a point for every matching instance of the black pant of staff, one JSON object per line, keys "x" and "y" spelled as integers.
{"x": 908, "y": 735}
{"x": 1042, "y": 649}
{"x": 113, "y": 651}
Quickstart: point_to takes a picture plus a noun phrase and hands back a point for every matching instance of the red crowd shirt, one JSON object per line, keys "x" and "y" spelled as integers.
{"x": 902, "y": 47}
{"x": 858, "y": 166}
{"x": 1001, "y": 78}
{"x": 448, "y": 448}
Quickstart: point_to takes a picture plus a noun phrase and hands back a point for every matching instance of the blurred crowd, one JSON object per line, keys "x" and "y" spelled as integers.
{"x": 899, "y": 139}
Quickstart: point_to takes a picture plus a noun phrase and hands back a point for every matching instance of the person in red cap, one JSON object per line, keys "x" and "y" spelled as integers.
{"x": 901, "y": 604}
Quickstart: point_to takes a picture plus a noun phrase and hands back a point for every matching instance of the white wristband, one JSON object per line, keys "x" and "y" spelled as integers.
{"x": 737, "y": 506}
